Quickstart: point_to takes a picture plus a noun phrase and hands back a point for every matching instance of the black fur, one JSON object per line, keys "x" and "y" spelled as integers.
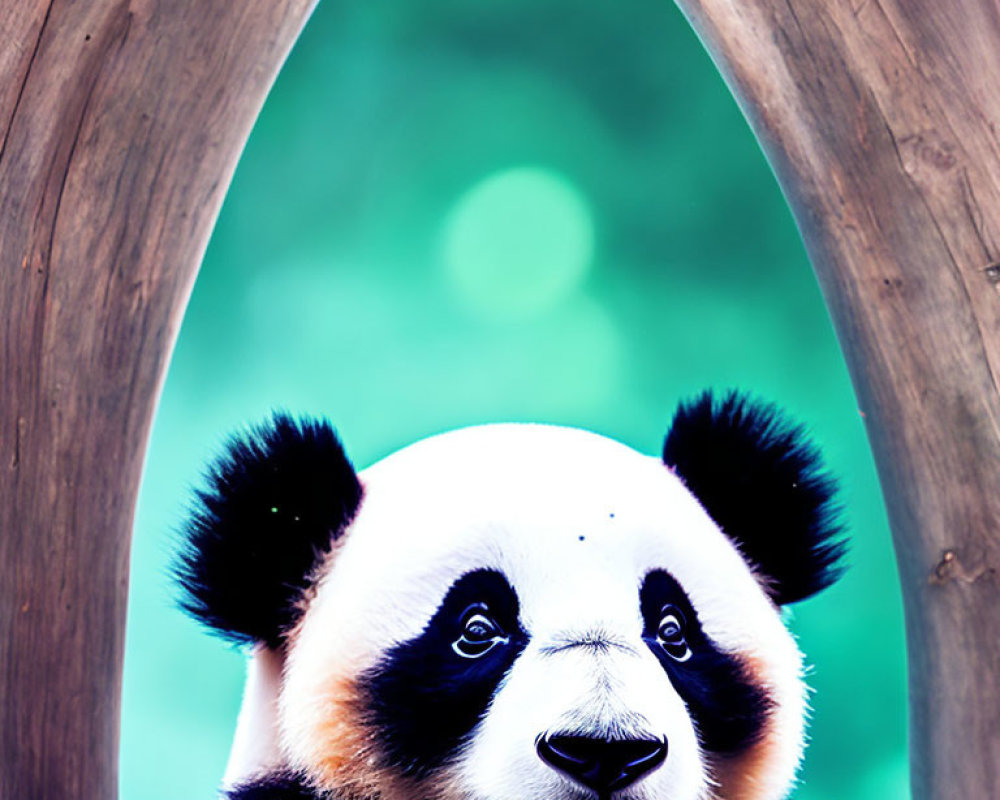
{"x": 275, "y": 786}
{"x": 423, "y": 698}
{"x": 764, "y": 483}
{"x": 275, "y": 501}
{"x": 728, "y": 709}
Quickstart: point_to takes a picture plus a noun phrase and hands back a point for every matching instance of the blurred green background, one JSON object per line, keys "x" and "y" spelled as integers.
{"x": 452, "y": 213}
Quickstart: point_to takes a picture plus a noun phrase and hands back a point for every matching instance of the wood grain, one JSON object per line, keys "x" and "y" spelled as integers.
{"x": 880, "y": 118}
{"x": 120, "y": 125}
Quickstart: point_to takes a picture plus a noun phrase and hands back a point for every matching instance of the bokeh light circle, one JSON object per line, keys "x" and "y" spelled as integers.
{"x": 518, "y": 242}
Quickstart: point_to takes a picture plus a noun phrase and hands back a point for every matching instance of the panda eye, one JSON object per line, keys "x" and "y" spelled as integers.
{"x": 670, "y": 633}
{"x": 480, "y": 633}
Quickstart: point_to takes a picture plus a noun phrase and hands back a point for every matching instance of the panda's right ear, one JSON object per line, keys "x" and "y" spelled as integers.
{"x": 274, "y": 502}
{"x": 761, "y": 479}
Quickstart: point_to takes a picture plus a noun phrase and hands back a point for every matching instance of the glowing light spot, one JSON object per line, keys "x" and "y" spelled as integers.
{"x": 518, "y": 242}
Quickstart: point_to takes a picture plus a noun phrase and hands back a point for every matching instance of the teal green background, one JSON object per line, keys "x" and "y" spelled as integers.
{"x": 452, "y": 213}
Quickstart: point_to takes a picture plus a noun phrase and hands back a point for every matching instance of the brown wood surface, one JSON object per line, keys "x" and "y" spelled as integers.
{"x": 120, "y": 124}
{"x": 881, "y": 119}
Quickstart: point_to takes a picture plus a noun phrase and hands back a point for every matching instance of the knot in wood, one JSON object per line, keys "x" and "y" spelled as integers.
{"x": 927, "y": 150}
{"x": 951, "y": 568}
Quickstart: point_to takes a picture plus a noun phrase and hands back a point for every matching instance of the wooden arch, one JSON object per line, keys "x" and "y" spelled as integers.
{"x": 120, "y": 125}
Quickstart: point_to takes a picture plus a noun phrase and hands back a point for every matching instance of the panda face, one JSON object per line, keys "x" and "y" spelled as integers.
{"x": 522, "y": 612}
{"x": 516, "y": 612}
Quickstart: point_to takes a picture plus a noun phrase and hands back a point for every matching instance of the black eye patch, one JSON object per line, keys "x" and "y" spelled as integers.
{"x": 729, "y": 710}
{"x": 423, "y": 697}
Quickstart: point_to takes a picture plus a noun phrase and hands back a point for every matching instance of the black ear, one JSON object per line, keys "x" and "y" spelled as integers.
{"x": 763, "y": 482}
{"x": 275, "y": 501}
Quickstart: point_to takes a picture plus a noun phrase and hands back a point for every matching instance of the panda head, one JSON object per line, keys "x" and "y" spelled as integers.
{"x": 521, "y": 612}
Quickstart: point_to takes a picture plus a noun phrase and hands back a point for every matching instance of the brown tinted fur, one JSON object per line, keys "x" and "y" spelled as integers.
{"x": 739, "y": 776}
{"x": 347, "y": 758}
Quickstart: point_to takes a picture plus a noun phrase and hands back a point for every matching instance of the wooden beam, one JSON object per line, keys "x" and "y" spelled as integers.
{"x": 120, "y": 125}
{"x": 880, "y": 118}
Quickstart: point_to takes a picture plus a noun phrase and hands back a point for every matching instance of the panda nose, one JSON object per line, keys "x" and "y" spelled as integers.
{"x": 604, "y": 765}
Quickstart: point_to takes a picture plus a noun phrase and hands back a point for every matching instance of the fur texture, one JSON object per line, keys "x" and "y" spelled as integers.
{"x": 515, "y": 611}
{"x": 575, "y": 523}
{"x": 763, "y": 482}
{"x": 279, "y": 785}
{"x": 273, "y": 504}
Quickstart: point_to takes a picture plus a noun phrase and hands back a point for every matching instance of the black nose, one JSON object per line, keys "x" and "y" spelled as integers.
{"x": 604, "y": 765}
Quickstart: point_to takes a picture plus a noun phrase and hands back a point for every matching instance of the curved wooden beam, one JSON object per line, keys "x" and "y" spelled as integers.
{"x": 120, "y": 125}
{"x": 881, "y": 119}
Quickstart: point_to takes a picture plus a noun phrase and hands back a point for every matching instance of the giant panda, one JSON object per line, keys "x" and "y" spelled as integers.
{"x": 516, "y": 611}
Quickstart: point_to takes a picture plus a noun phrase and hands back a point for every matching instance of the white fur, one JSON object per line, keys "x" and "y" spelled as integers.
{"x": 518, "y": 498}
{"x": 255, "y": 744}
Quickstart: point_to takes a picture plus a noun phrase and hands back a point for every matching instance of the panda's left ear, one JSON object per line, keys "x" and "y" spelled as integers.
{"x": 763, "y": 482}
{"x": 275, "y": 501}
